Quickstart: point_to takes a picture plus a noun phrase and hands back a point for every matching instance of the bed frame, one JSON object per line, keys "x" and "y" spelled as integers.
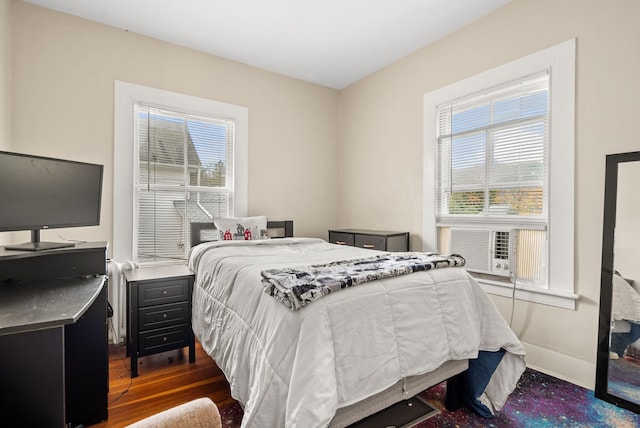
{"x": 451, "y": 371}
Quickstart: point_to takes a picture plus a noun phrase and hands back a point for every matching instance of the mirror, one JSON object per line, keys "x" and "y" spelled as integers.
{"x": 618, "y": 359}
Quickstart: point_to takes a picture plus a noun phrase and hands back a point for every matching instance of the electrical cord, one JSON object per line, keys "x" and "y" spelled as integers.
{"x": 113, "y": 330}
{"x": 513, "y": 271}
{"x": 513, "y": 298}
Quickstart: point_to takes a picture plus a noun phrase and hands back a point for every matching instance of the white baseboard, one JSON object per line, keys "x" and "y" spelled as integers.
{"x": 562, "y": 366}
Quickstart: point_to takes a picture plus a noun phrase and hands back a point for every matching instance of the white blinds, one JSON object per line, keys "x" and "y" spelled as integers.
{"x": 492, "y": 152}
{"x": 184, "y": 174}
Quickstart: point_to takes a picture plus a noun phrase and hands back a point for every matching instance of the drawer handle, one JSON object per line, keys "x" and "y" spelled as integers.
{"x": 368, "y": 246}
{"x": 341, "y": 243}
{"x": 164, "y": 315}
{"x": 164, "y": 339}
{"x": 164, "y": 292}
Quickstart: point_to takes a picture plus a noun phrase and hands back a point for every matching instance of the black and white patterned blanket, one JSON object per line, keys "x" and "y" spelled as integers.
{"x": 297, "y": 287}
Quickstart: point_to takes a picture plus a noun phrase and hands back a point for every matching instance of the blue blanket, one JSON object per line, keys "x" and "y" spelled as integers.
{"x": 476, "y": 379}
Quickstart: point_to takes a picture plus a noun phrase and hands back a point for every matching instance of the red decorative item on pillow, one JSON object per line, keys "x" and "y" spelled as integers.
{"x": 242, "y": 228}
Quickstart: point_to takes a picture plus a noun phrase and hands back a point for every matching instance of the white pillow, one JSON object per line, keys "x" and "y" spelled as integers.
{"x": 242, "y": 228}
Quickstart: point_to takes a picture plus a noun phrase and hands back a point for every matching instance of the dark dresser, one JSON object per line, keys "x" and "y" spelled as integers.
{"x": 371, "y": 239}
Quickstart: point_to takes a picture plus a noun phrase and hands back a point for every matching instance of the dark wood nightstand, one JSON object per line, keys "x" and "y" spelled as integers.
{"x": 371, "y": 239}
{"x": 159, "y": 311}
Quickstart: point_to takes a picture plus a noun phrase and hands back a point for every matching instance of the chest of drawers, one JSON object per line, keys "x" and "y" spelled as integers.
{"x": 158, "y": 312}
{"x": 371, "y": 239}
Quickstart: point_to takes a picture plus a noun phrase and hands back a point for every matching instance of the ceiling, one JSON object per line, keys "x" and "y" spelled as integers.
{"x": 329, "y": 42}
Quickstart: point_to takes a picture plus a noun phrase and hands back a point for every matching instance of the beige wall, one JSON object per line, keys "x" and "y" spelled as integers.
{"x": 5, "y": 74}
{"x": 5, "y": 83}
{"x": 62, "y": 104}
{"x": 382, "y": 137}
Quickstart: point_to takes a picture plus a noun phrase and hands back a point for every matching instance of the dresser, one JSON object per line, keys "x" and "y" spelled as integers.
{"x": 371, "y": 239}
{"x": 159, "y": 311}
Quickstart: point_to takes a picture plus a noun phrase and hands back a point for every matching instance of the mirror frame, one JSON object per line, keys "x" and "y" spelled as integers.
{"x": 606, "y": 278}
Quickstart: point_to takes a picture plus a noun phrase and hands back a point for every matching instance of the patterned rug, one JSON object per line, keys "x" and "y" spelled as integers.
{"x": 623, "y": 378}
{"x": 539, "y": 400}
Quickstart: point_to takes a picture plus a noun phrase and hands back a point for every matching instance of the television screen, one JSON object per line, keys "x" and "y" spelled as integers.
{"x": 44, "y": 193}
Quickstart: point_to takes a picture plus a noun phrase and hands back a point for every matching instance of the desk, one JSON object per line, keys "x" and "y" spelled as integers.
{"x": 53, "y": 337}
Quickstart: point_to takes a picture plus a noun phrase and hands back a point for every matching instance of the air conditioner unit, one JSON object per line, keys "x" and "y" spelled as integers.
{"x": 488, "y": 251}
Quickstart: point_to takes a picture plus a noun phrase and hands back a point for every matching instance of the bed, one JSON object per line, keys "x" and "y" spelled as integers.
{"x": 350, "y": 353}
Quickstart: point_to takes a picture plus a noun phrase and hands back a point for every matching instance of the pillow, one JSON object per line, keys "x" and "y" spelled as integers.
{"x": 242, "y": 228}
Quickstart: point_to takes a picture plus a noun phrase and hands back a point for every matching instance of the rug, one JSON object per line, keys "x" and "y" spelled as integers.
{"x": 539, "y": 400}
{"x": 623, "y": 378}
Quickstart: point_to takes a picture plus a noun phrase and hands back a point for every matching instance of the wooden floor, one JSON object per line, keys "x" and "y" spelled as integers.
{"x": 164, "y": 380}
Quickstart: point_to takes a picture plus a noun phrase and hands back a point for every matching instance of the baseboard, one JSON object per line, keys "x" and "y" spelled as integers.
{"x": 562, "y": 366}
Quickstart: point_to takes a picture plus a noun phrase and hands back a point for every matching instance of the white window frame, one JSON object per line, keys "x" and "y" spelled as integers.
{"x": 125, "y": 96}
{"x": 559, "y": 60}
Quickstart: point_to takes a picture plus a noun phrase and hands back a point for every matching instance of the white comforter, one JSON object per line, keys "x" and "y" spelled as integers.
{"x": 296, "y": 368}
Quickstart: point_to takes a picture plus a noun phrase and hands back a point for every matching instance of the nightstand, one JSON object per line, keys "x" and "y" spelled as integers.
{"x": 371, "y": 239}
{"x": 159, "y": 311}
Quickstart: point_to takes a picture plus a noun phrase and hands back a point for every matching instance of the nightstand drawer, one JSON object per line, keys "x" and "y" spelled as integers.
{"x": 370, "y": 242}
{"x": 153, "y": 317}
{"x": 341, "y": 238}
{"x": 164, "y": 339}
{"x": 164, "y": 291}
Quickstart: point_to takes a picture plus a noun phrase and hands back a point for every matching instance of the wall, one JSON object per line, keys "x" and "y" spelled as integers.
{"x": 62, "y": 105}
{"x": 381, "y": 139}
{"x": 5, "y": 83}
{"x": 5, "y": 74}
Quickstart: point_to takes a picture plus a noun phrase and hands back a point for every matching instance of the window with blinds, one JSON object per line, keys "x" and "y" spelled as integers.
{"x": 184, "y": 169}
{"x": 492, "y": 178}
{"x": 492, "y": 152}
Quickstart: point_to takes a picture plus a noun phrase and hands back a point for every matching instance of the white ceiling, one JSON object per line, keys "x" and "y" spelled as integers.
{"x": 329, "y": 42}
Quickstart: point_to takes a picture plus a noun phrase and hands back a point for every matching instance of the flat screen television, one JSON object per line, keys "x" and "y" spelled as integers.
{"x": 38, "y": 193}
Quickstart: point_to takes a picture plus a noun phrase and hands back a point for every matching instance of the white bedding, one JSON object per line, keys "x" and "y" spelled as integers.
{"x": 626, "y": 301}
{"x": 296, "y": 368}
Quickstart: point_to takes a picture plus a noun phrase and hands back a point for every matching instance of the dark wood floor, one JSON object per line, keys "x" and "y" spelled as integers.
{"x": 164, "y": 380}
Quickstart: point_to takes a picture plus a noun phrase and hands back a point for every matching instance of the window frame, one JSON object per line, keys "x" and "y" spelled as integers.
{"x": 559, "y": 60}
{"x": 126, "y": 95}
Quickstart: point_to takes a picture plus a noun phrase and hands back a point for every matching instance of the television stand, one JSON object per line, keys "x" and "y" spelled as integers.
{"x": 37, "y": 245}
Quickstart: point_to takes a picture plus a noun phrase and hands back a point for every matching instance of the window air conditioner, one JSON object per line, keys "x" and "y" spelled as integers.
{"x": 488, "y": 251}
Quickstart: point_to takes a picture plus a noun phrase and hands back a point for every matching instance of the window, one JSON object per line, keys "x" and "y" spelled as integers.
{"x": 177, "y": 160}
{"x": 183, "y": 174}
{"x": 492, "y": 175}
{"x": 499, "y": 175}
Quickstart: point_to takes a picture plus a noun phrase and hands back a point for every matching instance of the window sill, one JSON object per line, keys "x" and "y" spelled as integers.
{"x": 530, "y": 294}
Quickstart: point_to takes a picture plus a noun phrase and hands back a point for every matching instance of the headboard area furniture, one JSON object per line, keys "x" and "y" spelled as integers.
{"x": 205, "y": 232}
